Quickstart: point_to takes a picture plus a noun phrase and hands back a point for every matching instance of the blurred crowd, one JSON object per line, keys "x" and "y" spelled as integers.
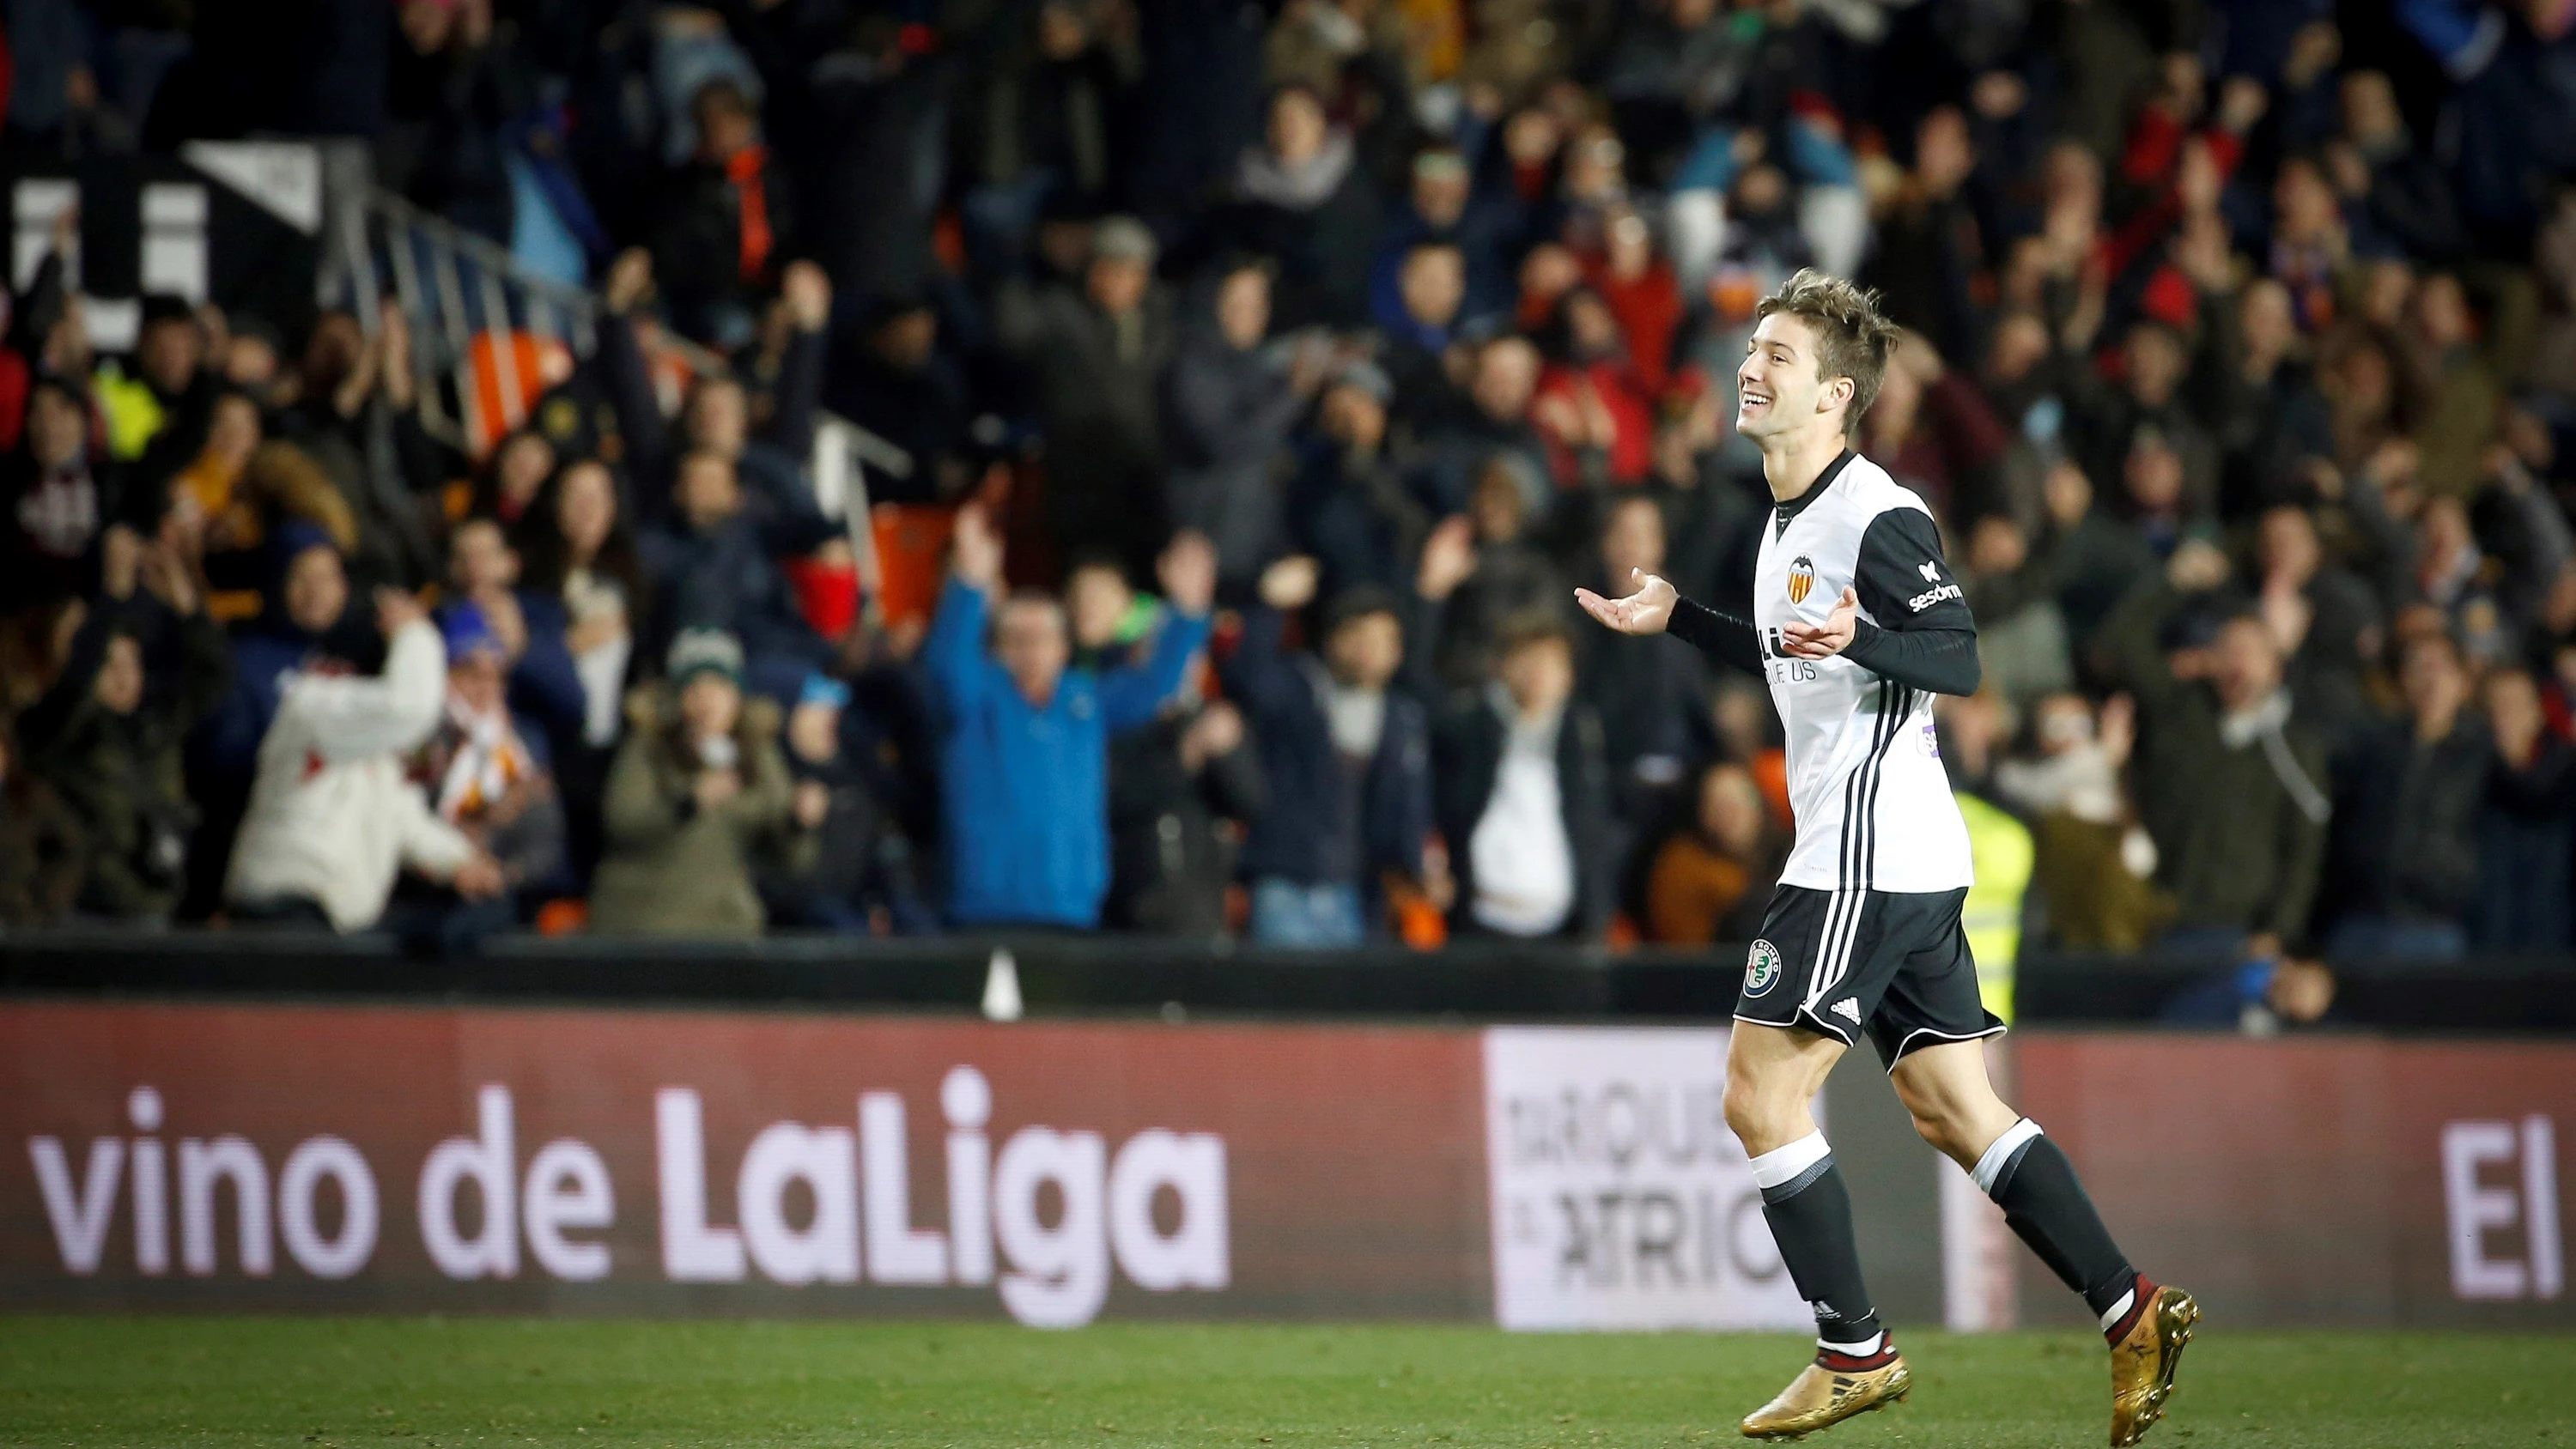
{"x": 1269, "y": 375}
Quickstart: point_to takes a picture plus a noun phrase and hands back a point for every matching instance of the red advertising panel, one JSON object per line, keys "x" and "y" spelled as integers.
{"x": 407, "y": 1159}
{"x": 2323, "y": 1179}
{"x": 403, "y": 1159}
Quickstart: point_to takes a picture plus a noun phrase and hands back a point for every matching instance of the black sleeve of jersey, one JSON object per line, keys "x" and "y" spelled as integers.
{"x": 1719, "y": 635}
{"x": 1943, "y": 661}
{"x": 1925, "y": 635}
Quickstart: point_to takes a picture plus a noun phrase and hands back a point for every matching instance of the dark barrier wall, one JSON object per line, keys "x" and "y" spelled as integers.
{"x": 586, "y": 1160}
{"x": 2321, "y": 1180}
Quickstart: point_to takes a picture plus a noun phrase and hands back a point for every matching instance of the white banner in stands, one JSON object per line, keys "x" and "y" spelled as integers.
{"x": 1619, "y": 1197}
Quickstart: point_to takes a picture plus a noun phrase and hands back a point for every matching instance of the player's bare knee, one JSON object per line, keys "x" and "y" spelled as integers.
{"x": 1764, "y": 1114}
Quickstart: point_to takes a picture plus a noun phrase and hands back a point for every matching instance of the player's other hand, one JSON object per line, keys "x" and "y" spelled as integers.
{"x": 1825, "y": 640}
{"x": 1649, "y": 610}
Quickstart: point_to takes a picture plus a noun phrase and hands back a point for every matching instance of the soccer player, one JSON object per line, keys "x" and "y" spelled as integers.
{"x": 1857, "y": 624}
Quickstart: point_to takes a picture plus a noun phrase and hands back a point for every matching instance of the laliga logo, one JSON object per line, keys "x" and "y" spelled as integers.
{"x": 323, "y": 1204}
{"x": 1058, "y": 1275}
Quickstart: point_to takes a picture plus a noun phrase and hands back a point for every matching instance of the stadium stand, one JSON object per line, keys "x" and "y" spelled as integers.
{"x": 666, "y": 357}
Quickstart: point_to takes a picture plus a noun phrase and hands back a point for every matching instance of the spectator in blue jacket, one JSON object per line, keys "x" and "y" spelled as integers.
{"x": 1024, "y": 753}
{"x": 1347, "y": 756}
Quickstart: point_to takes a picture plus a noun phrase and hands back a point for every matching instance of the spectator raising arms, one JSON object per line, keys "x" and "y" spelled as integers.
{"x": 108, "y": 736}
{"x": 1024, "y": 752}
{"x": 334, "y": 815}
{"x": 1348, "y": 756}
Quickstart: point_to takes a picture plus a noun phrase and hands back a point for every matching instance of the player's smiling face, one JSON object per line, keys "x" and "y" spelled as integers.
{"x": 1777, "y": 389}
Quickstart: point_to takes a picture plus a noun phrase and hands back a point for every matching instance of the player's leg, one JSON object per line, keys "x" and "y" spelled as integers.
{"x": 1772, "y": 1075}
{"x": 1930, "y": 1026}
{"x": 1953, "y": 1102}
{"x": 1777, "y": 1061}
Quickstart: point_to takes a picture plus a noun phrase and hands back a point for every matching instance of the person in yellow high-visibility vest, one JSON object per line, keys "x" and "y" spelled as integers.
{"x": 1991, "y": 916}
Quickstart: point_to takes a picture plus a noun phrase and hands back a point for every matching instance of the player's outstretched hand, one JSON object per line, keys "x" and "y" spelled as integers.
{"x": 1647, "y": 611}
{"x": 1825, "y": 640}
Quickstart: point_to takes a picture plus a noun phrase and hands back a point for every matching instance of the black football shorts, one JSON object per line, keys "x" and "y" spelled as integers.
{"x": 1893, "y": 963}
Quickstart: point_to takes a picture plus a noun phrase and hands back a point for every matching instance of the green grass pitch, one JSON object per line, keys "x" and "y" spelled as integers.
{"x": 308, "y": 1381}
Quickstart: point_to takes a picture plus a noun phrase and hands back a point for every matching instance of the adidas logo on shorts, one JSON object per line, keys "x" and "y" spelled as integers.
{"x": 1847, "y": 1009}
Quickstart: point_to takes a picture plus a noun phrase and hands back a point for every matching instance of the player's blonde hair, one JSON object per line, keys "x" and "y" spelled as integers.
{"x": 1853, "y": 338}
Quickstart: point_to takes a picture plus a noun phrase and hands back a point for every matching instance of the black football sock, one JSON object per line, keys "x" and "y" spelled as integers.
{"x": 2030, "y": 1178}
{"x": 1809, "y": 1210}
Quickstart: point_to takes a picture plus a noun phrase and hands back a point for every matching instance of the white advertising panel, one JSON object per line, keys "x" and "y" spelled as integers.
{"x": 1620, "y": 1199}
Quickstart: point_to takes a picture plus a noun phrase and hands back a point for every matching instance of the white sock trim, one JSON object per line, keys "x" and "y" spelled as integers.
{"x": 1991, "y": 1165}
{"x": 1862, "y": 1349}
{"x": 2113, "y": 1313}
{"x": 1781, "y": 1164}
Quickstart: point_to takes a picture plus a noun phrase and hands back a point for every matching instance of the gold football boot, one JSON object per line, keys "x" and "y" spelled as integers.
{"x": 2142, "y": 1364}
{"x": 1820, "y": 1397}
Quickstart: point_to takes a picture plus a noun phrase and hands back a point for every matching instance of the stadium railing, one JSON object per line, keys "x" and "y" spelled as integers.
{"x": 480, "y": 322}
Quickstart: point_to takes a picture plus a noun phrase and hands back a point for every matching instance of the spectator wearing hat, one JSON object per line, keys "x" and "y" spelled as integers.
{"x": 487, "y": 774}
{"x": 1346, "y": 753}
{"x": 1229, "y": 401}
{"x": 1350, "y": 505}
{"x": 529, "y": 625}
{"x": 699, "y": 798}
{"x": 1024, "y": 754}
{"x": 334, "y": 815}
{"x": 1097, "y": 356}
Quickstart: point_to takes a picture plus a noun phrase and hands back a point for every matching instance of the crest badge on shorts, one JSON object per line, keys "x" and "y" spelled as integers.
{"x": 1761, "y": 968}
{"x": 1802, "y": 578}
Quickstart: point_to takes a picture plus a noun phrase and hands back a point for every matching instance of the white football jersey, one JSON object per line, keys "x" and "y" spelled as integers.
{"x": 1866, "y": 786}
